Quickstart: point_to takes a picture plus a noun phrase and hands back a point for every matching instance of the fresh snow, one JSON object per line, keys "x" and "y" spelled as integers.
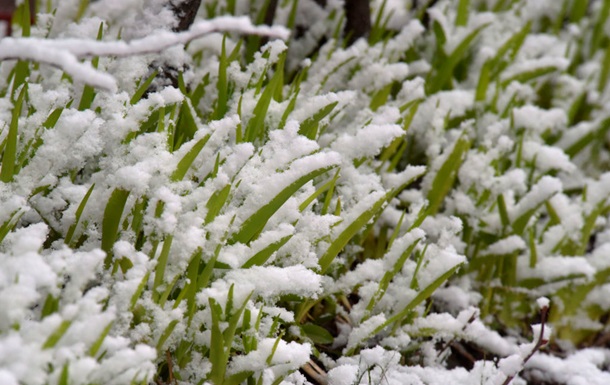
{"x": 116, "y": 318}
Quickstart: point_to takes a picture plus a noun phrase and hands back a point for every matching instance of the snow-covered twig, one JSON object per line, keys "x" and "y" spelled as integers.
{"x": 542, "y": 339}
{"x": 64, "y": 53}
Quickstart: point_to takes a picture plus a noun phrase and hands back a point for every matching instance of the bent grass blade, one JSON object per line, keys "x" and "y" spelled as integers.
{"x": 257, "y": 221}
{"x": 111, "y": 221}
{"x": 79, "y": 212}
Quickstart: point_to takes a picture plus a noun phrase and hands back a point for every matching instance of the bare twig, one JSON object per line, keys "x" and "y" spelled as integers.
{"x": 64, "y": 53}
{"x": 540, "y": 343}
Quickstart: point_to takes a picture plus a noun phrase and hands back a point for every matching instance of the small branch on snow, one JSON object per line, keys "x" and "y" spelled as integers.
{"x": 64, "y": 53}
{"x": 544, "y": 311}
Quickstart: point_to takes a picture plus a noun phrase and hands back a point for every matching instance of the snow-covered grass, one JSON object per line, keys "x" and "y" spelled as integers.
{"x": 233, "y": 204}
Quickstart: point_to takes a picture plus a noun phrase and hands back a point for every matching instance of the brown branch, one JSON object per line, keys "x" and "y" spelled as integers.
{"x": 185, "y": 12}
{"x": 358, "y": 19}
{"x": 540, "y": 343}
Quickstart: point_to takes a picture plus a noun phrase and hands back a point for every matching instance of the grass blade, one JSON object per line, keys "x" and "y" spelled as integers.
{"x": 262, "y": 256}
{"x": 309, "y": 127}
{"x": 160, "y": 267}
{"x": 444, "y": 178}
{"x": 88, "y": 95}
{"x": 79, "y": 212}
{"x": 256, "y": 125}
{"x": 189, "y": 158}
{"x": 142, "y": 88}
{"x": 349, "y": 232}
{"x": 9, "y": 155}
{"x": 445, "y": 71}
{"x": 255, "y": 223}
{"x": 112, "y": 219}
{"x": 54, "y": 338}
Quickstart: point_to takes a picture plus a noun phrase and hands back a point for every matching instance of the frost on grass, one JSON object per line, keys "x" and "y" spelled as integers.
{"x": 383, "y": 206}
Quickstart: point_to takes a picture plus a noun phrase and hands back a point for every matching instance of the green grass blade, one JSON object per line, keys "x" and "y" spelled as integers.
{"x": 309, "y": 127}
{"x": 161, "y": 265}
{"x": 54, "y": 338}
{"x": 588, "y": 138}
{"x": 82, "y": 7}
{"x": 237, "y": 378}
{"x": 142, "y": 87}
{"x": 447, "y": 66}
{"x": 79, "y": 212}
{"x": 292, "y": 15}
{"x": 389, "y": 275}
{"x": 256, "y": 126}
{"x": 217, "y": 346}
{"x": 88, "y": 91}
{"x": 166, "y": 333}
{"x": 578, "y": 10}
{"x": 222, "y": 85}
{"x": 589, "y": 225}
{"x": 216, "y": 203}
{"x": 9, "y": 155}
{"x": 483, "y": 84}
{"x": 23, "y": 17}
{"x": 598, "y": 28}
{"x": 421, "y": 296}
{"x": 511, "y": 47}
{"x": 95, "y": 347}
{"x": 189, "y": 158}
{"x": 349, "y": 232}
{"x": 64, "y": 376}
{"x": 136, "y": 295}
{"x": 539, "y": 195}
{"x": 317, "y": 334}
{"x": 229, "y": 333}
{"x": 10, "y": 223}
{"x": 51, "y": 305}
{"x": 326, "y": 186}
{"x": 529, "y": 75}
{"x": 192, "y": 273}
{"x": 445, "y": 177}
{"x": 111, "y": 221}
{"x": 262, "y": 256}
{"x": 186, "y": 127}
{"x": 462, "y": 13}
{"x": 255, "y": 223}
{"x": 503, "y": 211}
{"x": 54, "y": 116}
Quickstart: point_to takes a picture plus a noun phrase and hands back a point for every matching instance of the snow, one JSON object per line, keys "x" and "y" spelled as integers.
{"x": 582, "y": 367}
{"x": 537, "y": 120}
{"x": 273, "y": 281}
{"x": 109, "y": 145}
{"x": 363, "y": 331}
{"x": 540, "y": 192}
{"x": 285, "y": 357}
{"x": 343, "y": 375}
{"x": 543, "y": 302}
{"x": 547, "y": 158}
{"x": 506, "y": 246}
{"x": 551, "y": 268}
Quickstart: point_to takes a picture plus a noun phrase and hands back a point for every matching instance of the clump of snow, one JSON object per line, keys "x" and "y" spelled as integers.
{"x": 543, "y": 302}
{"x": 506, "y": 246}
{"x": 537, "y": 120}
